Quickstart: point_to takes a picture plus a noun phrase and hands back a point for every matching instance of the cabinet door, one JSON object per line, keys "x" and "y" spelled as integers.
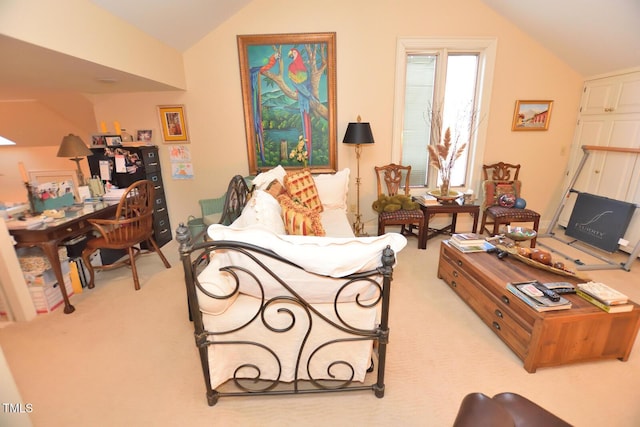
{"x": 612, "y": 95}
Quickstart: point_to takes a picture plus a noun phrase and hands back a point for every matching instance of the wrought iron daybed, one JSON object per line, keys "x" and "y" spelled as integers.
{"x": 261, "y": 334}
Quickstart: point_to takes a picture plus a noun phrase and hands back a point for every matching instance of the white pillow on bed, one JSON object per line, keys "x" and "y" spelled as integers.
{"x": 262, "y": 209}
{"x": 263, "y": 179}
{"x": 333, "y": 188}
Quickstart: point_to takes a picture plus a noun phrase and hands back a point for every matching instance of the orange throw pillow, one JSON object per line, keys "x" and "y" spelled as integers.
{"x": 299, "y": 219}
{"x": 301, "y": 186}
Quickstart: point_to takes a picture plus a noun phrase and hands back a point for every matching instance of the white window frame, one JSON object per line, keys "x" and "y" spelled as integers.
{"x": 486, "y": 47}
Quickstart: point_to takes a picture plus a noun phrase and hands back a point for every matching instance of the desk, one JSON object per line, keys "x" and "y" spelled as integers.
{"x": 454, "y": 209}
{"x": 48, "y": 236}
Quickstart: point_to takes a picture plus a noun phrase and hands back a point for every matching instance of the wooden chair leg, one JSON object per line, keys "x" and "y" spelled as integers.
{"x": 535, "y": 227}
{"x": 483, "y": 224}
{"x": 157, "y": 250}
{"x": 86, "y": 254}
{"x": 134, "y": 270}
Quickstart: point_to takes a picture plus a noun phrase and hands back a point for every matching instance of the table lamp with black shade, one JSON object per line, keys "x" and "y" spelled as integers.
{"x": 73, "y": 146}
{"x": 358, "y": 133}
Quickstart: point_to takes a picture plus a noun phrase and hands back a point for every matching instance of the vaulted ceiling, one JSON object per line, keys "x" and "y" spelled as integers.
{"x": 592, "y": 36}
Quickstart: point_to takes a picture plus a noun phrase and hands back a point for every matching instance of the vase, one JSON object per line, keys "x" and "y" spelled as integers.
{"x": 444, "y": 188}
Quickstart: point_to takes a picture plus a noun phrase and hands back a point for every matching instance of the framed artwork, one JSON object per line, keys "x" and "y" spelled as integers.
{"x": 145, "y": 135}
{"x": 289, "y": 98}
{"x": 97, "y": 140}
{"x": 532, "y": 115}
{"x": 173, "y": 123}
{"x": 111, "y": 140}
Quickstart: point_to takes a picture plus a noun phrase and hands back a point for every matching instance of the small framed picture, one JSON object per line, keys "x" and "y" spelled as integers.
{"x": 97, "y": 140}
{"x": 112, "y": 140}
{"x": 173, "y": 123}
{"x": 532, "y": 115}
{"x": 145, "y": 135}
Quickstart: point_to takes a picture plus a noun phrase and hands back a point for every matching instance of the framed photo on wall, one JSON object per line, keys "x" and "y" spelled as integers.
{"x": 532, "y": 115}
{"x": 289, "y": 98}
{"x": 173, "y": 123}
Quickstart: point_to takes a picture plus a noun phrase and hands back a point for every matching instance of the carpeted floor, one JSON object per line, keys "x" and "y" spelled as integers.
{"x": 128, "y": 358}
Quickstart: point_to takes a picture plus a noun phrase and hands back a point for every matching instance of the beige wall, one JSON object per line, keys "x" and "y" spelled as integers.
{"x": 365, "y": 83}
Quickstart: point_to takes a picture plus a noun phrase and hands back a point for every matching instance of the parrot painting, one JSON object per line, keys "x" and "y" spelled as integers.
{"x": 256, "y": 101}
{"x": 299, "y": 77}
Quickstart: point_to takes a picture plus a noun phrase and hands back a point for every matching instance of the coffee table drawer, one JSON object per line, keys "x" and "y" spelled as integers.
{"x": 496, "y": 314}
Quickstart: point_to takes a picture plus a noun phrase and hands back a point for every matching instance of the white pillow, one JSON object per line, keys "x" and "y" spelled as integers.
{"x": 333, "y": 188}
{"x": 262, "y": 180}
{"x": 262, "y": 209}
{"x": 219, "y": 283}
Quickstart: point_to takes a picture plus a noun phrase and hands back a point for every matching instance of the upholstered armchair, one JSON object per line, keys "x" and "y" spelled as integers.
{"x": 501, "y": 189}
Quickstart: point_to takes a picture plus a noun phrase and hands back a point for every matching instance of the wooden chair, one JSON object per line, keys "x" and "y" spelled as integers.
{"x": 132, "y": 225}
{"x": 396, "y": 178}
{"x": 502, "y": 179}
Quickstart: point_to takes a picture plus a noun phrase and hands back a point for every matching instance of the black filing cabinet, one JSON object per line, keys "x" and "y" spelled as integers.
{"x": 139, "y": 163}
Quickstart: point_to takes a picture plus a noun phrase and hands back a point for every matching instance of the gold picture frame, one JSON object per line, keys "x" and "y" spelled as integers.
{"x": 289, "y": 98}
{"x": 173, "y": 123}
{"x": 531, "y": 115}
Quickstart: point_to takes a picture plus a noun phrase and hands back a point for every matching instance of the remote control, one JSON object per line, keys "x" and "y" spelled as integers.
{"x": 552, "y": 295}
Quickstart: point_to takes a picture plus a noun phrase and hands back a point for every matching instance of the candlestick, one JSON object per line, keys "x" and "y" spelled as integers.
{"x": 116, "y": 125}
{"x": 23, "y": 172}
{"x": 103, "y": 127}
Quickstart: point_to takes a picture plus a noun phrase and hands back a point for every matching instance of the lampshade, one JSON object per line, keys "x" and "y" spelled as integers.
{"x": 73, "y": 146}
{"x": 358, "y": 133}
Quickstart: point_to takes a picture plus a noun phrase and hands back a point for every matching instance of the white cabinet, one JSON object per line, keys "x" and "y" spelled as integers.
{"x": 609, "y": 117}
{"x": 617, "y": 95}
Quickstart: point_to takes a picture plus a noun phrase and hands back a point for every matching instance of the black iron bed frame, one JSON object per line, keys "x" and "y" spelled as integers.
{"x": 195, "y": 256}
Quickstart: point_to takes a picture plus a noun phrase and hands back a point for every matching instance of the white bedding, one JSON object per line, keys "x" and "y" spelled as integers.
{"x": 224, "y": 359}
{"x": 323, "y": 260}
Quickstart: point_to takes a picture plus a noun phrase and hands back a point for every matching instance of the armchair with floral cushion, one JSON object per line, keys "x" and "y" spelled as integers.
{"x": 502, "y": 189}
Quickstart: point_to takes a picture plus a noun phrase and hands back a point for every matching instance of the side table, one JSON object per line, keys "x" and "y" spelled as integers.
{"x": 450, "y": 208}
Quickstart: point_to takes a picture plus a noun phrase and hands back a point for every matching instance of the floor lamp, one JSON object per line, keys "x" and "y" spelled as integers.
{"x": 358, "y": 133}
{"x": 73, "y": 146}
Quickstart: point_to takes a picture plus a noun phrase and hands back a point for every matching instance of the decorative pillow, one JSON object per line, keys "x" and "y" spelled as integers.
{"x": 301, "y": 186}
{"x": 262, "y": 209}
{"x": 299, "y": 219}
{"x": 275, "y": 188}
{"x": 333, "y": 189}
{"x": 262, "y": 180}
{"x": 493, "y": 190}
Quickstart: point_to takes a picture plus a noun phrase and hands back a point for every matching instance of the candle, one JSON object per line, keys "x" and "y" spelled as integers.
{"x": 23, "y": 172}
{"x": 103, "y": 127}
{"x": 116, "y": 126}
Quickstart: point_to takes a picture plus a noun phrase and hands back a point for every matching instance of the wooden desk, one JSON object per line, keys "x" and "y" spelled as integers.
{"x": 452, "y": 208}
{"x": 540, "y": 339}
{"x": 48, "y": 236}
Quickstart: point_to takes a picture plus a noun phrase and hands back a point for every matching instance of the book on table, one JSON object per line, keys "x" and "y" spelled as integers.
{"x": 603, "y": 293}
{"x": 617, "y": 308}
{"x": 526, "y": 291}
{"x": 427, "y": 200}
{"x": 468, "y": 239}
{"x": 484, "y": 246}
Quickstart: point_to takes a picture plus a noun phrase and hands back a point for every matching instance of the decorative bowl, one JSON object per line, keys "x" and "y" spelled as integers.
{"x": 449, "y": 198}
{"x": 519, "y": 234}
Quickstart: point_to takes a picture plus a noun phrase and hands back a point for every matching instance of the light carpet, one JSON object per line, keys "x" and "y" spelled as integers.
{"x": 129, "y": 358}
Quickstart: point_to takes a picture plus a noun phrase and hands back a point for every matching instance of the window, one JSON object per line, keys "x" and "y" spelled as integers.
{"x": 448, "y": 82}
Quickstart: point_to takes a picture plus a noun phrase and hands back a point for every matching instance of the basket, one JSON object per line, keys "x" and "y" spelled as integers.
{"x": 196, "y": 228}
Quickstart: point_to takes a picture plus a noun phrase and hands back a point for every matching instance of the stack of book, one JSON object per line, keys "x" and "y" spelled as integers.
{"x": 534, "y": 298}
{"x": 470, "y": 242}
{"x": 604, "y": 297}
{"x": 427, "y": 200}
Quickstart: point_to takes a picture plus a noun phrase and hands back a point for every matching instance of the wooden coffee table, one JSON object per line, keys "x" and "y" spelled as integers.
{"x": 449, "y": 208}
{"x": 582, "y": 333}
